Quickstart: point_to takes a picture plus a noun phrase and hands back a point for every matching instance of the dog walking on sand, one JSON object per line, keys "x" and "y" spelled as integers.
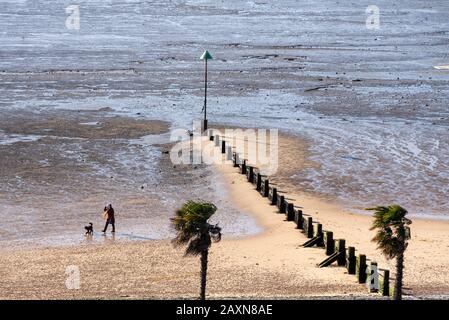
{"x": 89, "y": 229}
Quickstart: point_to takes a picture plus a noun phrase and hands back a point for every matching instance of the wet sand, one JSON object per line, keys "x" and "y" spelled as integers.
{"x": 79, "y": 161}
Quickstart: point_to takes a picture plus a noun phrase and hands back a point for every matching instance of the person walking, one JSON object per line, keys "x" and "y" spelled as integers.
{"x": 110, "y": 218}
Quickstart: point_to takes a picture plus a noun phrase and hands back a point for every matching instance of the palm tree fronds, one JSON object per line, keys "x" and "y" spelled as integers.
{"x": 392, "y": 229}
{"x": 192, "y": 228}
{"x": 197, "y": 245}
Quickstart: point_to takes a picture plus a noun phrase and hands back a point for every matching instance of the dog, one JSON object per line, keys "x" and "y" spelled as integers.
{"x": 89, "y": 229}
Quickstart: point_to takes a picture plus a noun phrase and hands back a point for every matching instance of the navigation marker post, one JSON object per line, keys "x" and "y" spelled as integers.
{"x": 205, "y": 56}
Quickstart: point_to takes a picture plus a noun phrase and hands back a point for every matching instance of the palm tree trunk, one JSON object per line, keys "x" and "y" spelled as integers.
{"x": 204, "y": 255}
{"x": 399, "y": 274}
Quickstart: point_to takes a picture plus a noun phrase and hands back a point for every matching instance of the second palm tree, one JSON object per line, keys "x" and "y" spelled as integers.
{"x": 194, "y": 231}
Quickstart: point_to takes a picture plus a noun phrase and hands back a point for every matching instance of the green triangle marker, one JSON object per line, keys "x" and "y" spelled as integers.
{"x": 206, "y": 56}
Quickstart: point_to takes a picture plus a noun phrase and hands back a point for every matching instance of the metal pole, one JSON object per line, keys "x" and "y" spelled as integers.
{"x": 205, "y": 91}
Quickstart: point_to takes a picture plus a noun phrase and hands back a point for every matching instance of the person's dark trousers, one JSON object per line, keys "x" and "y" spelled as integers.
{"x": 109, "y": 221}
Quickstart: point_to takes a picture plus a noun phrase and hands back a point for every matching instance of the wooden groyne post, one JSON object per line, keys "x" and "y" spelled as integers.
{"x": 274, "y": 196}
{"x": 338, "y": 256}
{"x": 251, "y": 174}
{"x": 361, "y": 268}
{"x": 243, "y": 171}
{"x": 281, "y": 204}
{"x": 259, "y": 182}
{"x": 236, "y": 160}
{"x": 384, "y": 282}
{"x": 309, "y": 227}
{"x": 329, "y": 242}
{"x": 317, "y": 239}
{"x": 341, "y": 249}
{"x": 319, "y": 235}
{"x": 352, "y": 261}
{"x": 266, "y": 188}
{"x": 298, "y": 219}
{"x": 290, "y": 212}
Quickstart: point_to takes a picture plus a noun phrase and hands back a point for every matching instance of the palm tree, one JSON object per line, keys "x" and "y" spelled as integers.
{"x": 194, "y": 231}
{"x": 391, "y": 238}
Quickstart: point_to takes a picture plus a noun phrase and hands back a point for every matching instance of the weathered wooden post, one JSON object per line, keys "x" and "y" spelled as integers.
{"x": 223, "y": 147}
{"x": 341, "y": 248}
{"x": 329, "y": 242}
{"x": 309, "y": 229}
{"x": 361, "y": 268}
{"x": 243, "y": 167}
{"x": 318, "y": 230}
{"x": 266, "y": 188}
{"x": 298, "y": 219}
{"x": 236, "y": 160}
{"x": 319, "y": 235}
{"x": 258, "y": 182}
{"x": 384, "y": 283}
{"x": 251, "y": 174}
{"x": 290, "y": 212}
{"x": 274, "y": 196}
{"x": 351, "y": 262}
{"x": 282, "y": 204}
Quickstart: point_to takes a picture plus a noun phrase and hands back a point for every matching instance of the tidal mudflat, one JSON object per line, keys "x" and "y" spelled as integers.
{"x": 370, "y": 99}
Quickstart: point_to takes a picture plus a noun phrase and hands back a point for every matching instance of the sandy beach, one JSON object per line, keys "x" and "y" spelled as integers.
{"x": 86, "y": 116}
{"x": 271, "y": 264}
{"x": 425, "y": 261}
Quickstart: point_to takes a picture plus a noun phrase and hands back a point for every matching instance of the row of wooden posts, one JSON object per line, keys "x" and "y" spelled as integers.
{"x": 335, "y": 249}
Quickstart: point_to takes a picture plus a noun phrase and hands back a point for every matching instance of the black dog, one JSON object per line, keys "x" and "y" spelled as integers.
{"x": 89, "y": 229}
